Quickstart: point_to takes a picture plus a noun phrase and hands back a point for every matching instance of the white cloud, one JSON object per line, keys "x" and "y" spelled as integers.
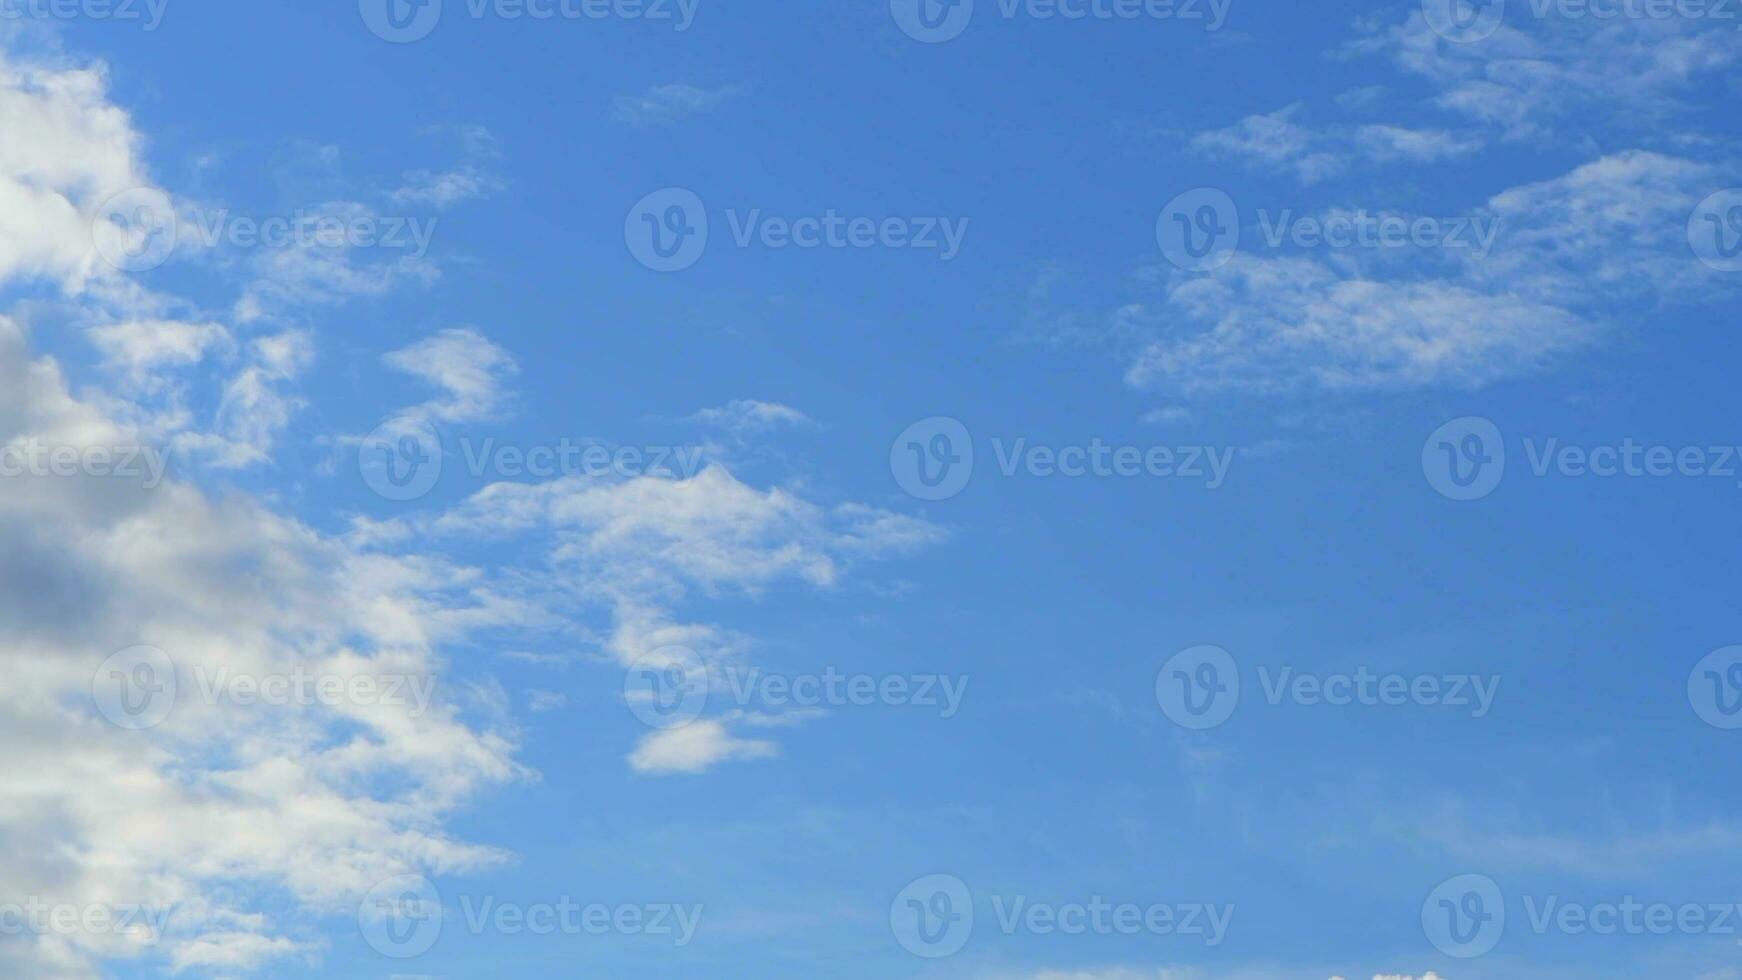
{"x": 1278, "y": 141}
{"x": 464, "y": 364}
{"x": 137, "y": 349}
{"x": 79, "y": 153}
{"x": 219, "y": 805}
{"x": 1570, "y": 252}
{"x": 665, "y": 104}
{"x": 746, "y": 416}
{"x": 315, "y": 271}
{"x": 472, "y": 178}
{"x": 638, "y": 547}
{"x": 1537, "y": 76}
{"x": 694, "y": 748}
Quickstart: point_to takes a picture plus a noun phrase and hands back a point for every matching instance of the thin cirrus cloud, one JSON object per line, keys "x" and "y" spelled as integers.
{"x": 663, "y": 105}
{"x": 1575, "y": 255}
{"x": 1280, "y": 142}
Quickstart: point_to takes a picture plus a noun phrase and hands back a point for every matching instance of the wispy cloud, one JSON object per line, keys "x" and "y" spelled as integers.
{"x": 663, "y": 105}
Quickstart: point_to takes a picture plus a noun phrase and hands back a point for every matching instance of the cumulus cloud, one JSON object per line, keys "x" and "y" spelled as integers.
{"x": 204, "y": 814}
{"x": 80, "y": 153}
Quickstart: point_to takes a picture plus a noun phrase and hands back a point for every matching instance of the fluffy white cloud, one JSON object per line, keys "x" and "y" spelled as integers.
{"x": 79, "y": 153}
{"x": 220, "y": 802}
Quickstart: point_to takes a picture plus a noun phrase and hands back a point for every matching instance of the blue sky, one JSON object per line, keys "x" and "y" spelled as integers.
{"x": 1258, "y": 483}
